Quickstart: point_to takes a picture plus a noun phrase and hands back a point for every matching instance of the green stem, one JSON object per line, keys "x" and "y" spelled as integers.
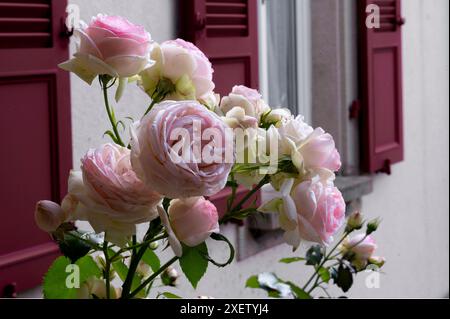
{"x": 145, "y": 243}
{"x": 107, "y": 270}
{"x": 239, "y": 205}
{"x": 152, "y": 277}
{"x": 134, "y": 263}
{"x": 316, "y": 272}
{"x": 110, "y": 113}
{"x": 154, "y": 101}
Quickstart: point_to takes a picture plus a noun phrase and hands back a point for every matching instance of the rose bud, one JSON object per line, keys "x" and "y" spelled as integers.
{"x": 170, "y": 277}
{"x": 354, "y": 222}
{"x": 377, "y": 261}
{"x": 49, "y": 215}
{"x": 189, "y": 221}
{"x": 359, "y": 249}
{"x": 372, "y": 226}
{"x": 193, "y": 219}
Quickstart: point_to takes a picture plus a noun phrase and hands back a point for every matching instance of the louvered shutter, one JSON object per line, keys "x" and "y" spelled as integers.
{"x": 227, "y": 32}
{"x": 381, "y": 86}
{"x": 35, "y": 134}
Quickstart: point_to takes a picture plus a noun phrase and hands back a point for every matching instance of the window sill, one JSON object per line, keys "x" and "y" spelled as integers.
{"x": 262, "y": 231}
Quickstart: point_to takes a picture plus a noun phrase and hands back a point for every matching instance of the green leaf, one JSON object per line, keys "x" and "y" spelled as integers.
{"x": 299, "y": 292}
{"x": 111, "y": 135}
{"x": 170, "y": 295}
{"x": 72, "y": 247}
{"x": 55, "y": 286}
{"x": 270, "y": 282}
{"x": 291, "y": 260}
{"x": 344, "y": 277}
{"x": 151, "y": 259}
{"x": 314, "y": 255}
{"x": 193, "y": 263}
{"x": 121, "y": 269}
{"x": 252, "y": 282}
{"x": 324, "y": 273}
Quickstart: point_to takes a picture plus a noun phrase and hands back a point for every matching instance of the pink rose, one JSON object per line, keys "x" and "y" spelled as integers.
{"x": 248, "y": 99}
{"x": 193, "y": 219}
{"x": 320, "y": 210}
{"x": 319, "y": 151}
{"x": 110, "y": 45}
{"x": 360, "y": 249}
{"x": 177, "y": 166}
{"x": 185, "y": 66}
{"x": 190, "y": 221}
{"x": 109, "y": 195}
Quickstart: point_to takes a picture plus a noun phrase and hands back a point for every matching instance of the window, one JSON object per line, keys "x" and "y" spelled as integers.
{"x": 285, "y": 54}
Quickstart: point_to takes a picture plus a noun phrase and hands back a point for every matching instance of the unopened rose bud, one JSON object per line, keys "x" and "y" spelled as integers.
{"x": 170, "y": 277}
{"x": 377, "y": 261}
{"x": 143, "y": 269}
{"x": 354, "y": 222}
{"x": 372, "y": 226}
{"x": 49, "y": 215}
{"x": 358, "y": 250}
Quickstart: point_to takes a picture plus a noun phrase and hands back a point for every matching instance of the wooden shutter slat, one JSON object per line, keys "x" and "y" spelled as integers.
{"x": 25, "y": 25}
{"x": 19, "y": 25}
{"x": 25, "y": 10}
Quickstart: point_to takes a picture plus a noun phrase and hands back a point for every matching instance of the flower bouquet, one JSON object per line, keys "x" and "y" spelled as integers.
{"x": 189, "y": 145}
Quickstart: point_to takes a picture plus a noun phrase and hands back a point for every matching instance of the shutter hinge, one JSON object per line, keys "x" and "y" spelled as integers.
{"x": 355, "y": 109}
{"x": 386, "y": 167}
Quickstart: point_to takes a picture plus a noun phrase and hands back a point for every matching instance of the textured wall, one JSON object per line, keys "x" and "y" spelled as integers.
{"x": 413, "y": 202}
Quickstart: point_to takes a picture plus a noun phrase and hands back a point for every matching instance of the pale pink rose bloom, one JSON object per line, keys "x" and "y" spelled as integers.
{"x": 109, "y": 195}
{"x": 175, "y": 166}
{"x": 320, "y": 210}
{"x": 319, "y": 151}
{"x": 49, "y": 215}
{"x": 193, "y": 219}
{"x": 363, "y": 248}
{"x": 110, "y": 45}
{"x": 187, "y": 68}
{"x": 249, "y": 100}
{"x": 203, "y": 68}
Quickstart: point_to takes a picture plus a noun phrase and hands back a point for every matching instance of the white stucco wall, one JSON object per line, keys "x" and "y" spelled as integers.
{"x": 413, "y": 202}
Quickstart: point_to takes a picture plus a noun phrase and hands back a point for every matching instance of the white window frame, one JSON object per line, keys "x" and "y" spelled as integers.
{"x": 304, "y": 60}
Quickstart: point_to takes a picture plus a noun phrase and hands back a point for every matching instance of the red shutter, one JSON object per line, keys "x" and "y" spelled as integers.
{"x": 35, "y": 133}
{"x": 227, "y": 32}
{"x": 381, "y": 87}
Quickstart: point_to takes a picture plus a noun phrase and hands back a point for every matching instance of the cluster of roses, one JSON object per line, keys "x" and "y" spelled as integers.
{"x": 122, "y": 184}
